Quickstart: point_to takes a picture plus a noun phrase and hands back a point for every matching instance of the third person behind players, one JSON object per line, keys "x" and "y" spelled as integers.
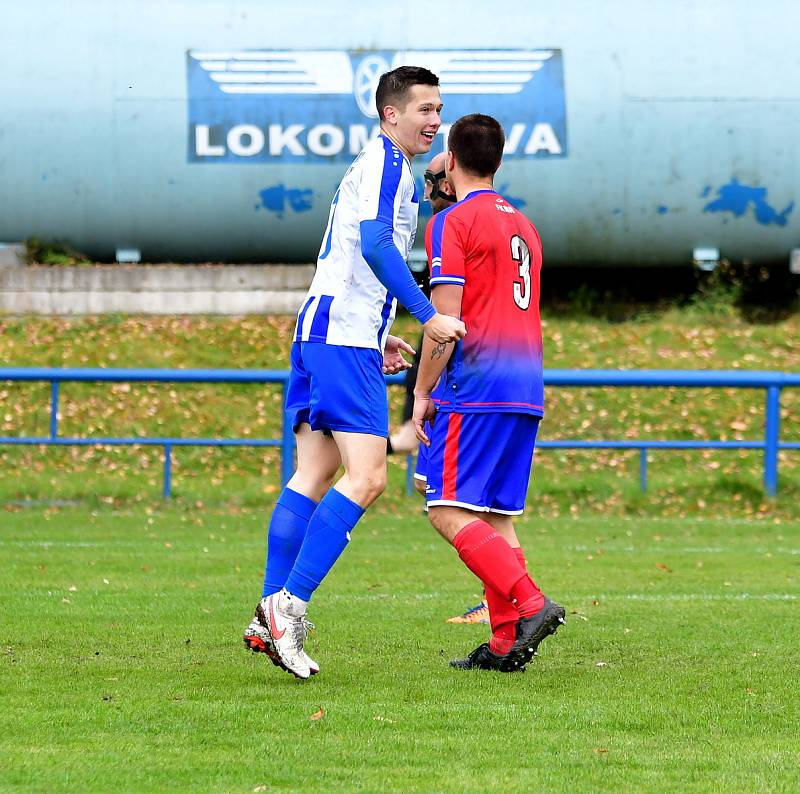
{"x": 485, "y": 261}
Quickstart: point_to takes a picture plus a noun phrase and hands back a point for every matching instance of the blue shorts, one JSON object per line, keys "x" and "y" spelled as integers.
{"x": 332, "y": 387}
{"x": 481, "y": 461}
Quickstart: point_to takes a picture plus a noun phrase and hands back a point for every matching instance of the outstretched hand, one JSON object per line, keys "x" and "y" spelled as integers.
{"x": 393, "y": 361}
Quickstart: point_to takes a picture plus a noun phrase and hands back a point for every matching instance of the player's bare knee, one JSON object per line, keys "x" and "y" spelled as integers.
{"x": 440, "y": 522}
{"x": 312, "y": 481}
{"x": 449, "y": 521}
{"x": 369, "y": 485}
{"x": 376, "y": 484}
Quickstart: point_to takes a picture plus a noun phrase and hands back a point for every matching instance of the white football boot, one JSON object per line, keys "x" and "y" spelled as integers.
{"x": 256, "y": 638}
{"x": 284, "y": 616}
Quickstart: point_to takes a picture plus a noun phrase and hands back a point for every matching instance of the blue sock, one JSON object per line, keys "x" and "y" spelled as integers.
{"x": 328, "y": 535}
{"x": 287, "y": 528}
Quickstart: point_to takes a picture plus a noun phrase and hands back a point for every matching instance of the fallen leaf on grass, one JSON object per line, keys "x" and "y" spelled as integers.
{"x": 602, "y": 664}
{"x": 384, "y": 719}
{"x": 601, "y": 749}
{"x": 662, "y": 567}
{"x": 317, "y": 715}
{"x": 579, "y": 615}
{"x": 261, "y": 788}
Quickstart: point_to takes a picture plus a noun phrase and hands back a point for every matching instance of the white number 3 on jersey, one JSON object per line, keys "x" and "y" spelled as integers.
{"x": 522, "y": 256}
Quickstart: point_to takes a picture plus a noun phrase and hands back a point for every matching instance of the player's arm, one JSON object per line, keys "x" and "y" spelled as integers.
{"x": 388, "y": 265}
{"x": 435, "y": 355}
{"x": 446, "y": 241}
{"x": 434, "y": 358}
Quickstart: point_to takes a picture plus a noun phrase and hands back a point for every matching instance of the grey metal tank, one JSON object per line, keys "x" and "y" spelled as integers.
{"x": 219, "y": 130}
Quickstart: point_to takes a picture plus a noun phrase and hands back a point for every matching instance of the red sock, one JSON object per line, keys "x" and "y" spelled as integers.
{"x": 503, "y": 616}
{"x": 534, "y": 604}
{"x": 490, "y": 557}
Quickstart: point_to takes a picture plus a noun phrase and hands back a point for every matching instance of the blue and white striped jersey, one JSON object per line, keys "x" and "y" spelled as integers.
{"x": 346, "y": 304}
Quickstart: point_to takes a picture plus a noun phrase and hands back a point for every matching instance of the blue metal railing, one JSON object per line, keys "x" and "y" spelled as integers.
{"x": 771, "y": 382}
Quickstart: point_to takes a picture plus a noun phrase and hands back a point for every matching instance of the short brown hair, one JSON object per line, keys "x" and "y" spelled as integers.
{"x": 393, "y": 86}
{"x": 477, "y": 142}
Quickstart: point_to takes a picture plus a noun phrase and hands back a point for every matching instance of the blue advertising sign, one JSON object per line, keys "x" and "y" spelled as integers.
{"x": 263, "y": 106}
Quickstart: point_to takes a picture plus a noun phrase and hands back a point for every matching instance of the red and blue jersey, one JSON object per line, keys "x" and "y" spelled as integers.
{"x": 493, "y": 251}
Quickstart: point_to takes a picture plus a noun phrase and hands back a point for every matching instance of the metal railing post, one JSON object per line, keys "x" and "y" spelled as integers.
{"x": 167, "y": 492}
{"x": 643, "y": 469}
{"x": 53, "y": 408}
{"x": 771, "y": 435}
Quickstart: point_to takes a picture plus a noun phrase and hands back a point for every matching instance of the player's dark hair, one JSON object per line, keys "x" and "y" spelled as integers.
{"x": 477, "y": 142}
{"x": 393, "y": 86}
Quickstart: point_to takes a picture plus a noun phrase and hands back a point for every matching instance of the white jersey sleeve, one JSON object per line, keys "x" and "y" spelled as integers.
{"x": 346, "y": 303}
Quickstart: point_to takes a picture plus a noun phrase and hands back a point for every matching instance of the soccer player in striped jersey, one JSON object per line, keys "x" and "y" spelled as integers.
{"x": 485, "y": 261}
{"x": 336, "y": 395}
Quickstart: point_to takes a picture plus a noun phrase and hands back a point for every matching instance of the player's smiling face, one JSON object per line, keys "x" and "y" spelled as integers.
{"x": 414, "y": 126}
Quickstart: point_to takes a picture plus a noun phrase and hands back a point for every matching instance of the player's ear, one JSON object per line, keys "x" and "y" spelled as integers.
{"x": 390, "y": 114}
{"x": 449, "y": 163}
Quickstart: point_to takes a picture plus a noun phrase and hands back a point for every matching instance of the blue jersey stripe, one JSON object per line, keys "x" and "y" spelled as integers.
{"x": 299, "y": 335}
{"x": 387, "y": 308}
{"x": 390, "y": 181}
{"x": 329, "y": 237}
{"x": 321, "y": 321}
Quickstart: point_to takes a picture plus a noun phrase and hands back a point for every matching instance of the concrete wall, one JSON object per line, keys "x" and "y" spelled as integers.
{"x": 150, "y": 289}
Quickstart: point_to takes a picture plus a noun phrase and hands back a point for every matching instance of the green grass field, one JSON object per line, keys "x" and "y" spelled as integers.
{"x": 123, "y": 669}
{"x": 121, "y": 614}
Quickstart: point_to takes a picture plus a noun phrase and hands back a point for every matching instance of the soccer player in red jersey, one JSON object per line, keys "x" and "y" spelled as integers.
{"x": 485, "y": 260}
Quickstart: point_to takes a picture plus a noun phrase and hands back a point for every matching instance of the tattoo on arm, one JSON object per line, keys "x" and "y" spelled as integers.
{"x": 438, "y": 351}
